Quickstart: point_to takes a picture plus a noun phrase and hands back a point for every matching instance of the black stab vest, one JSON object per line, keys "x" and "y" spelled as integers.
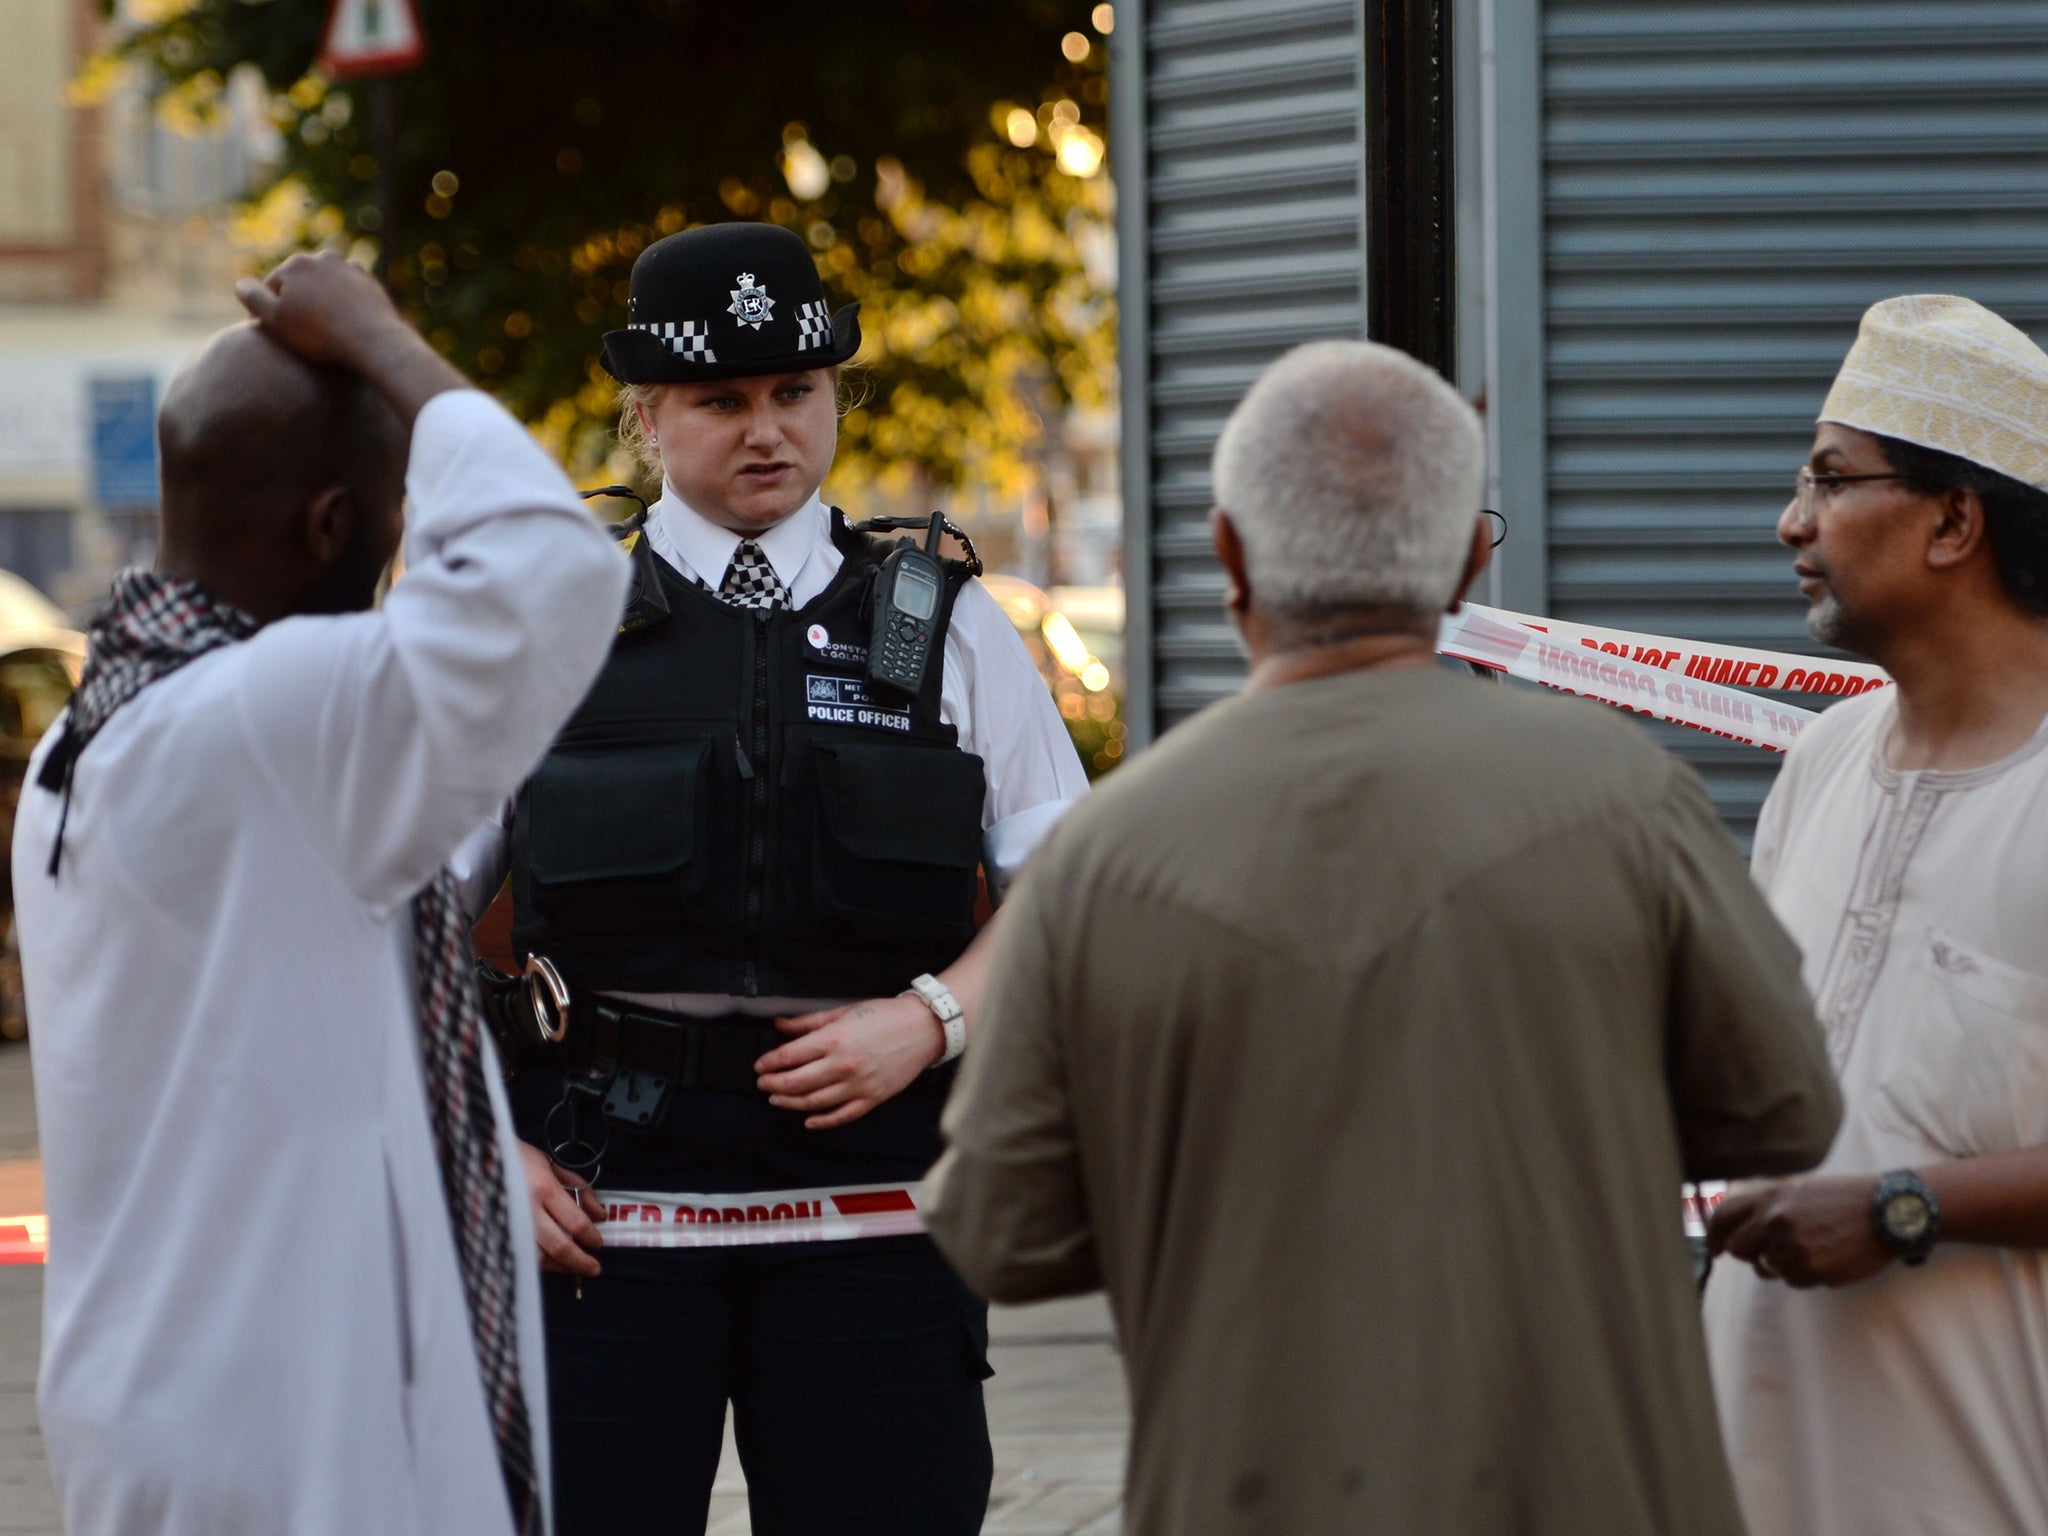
{"x": 729, "y": 812}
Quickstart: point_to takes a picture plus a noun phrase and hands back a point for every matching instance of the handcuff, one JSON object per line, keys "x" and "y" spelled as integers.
{"x": 571, "y": 1149}
{"x": 547, "y": 999}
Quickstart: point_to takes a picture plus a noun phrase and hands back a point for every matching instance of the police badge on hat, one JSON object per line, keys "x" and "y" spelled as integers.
{"x": 727, "y": 301}
{"x": 750, "y": 303}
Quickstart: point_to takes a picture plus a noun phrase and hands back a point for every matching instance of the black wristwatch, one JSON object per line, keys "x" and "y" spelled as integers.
{"x": 1906, "y": 1216}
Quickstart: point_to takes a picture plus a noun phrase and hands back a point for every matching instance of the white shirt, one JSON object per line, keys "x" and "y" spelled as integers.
{"x": 253, "y": 1317}
{"x": 1915, "y": 1401}
{"x": 990, "y": 692}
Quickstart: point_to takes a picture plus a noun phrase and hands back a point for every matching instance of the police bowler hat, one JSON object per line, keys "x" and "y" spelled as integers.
{"x": 725, "y": 301}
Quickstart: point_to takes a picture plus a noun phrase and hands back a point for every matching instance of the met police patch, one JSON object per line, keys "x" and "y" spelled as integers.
{"x": 845, "y": 701}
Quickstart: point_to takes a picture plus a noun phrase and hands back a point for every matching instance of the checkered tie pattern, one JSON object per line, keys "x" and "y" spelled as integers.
{"x": 151, "y": 628}
{"x": 751, "y": 582}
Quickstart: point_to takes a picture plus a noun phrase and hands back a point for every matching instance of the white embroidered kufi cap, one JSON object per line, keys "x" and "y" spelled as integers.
{"x": 1947, "y": 373}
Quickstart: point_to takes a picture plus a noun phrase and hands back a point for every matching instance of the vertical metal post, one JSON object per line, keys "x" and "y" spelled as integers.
{"x": 1127, "y": 130}
{"x": 1411, "y": 268}
{"x": 1517, "y": 349}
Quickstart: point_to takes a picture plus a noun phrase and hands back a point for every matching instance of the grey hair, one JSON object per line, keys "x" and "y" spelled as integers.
{"x": 1353, "y": 475}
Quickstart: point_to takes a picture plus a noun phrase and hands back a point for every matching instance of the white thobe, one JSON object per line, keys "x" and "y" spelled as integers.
{"x": 254, "y": 1323}
{"x": 1915, "y": 1402}
{"x": 990, "y": 693}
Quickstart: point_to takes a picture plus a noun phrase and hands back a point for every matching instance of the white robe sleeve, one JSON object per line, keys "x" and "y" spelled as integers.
{"x": 395, "y": 733}
{"x": 480, "y": 863}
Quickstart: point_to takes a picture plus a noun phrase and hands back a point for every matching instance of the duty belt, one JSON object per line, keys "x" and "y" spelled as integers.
{"x": 628, "y": 1056}
{"x": 626, "y": 1064}
{"x": 635, "y": 1057}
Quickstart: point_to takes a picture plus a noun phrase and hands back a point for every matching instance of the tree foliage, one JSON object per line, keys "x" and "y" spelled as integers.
{"x": 548, "y": 141}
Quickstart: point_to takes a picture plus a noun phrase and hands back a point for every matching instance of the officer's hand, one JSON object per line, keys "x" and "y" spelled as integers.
{"x": 845, "y": 1061}
{"x": 1806, "y": 1232}
{"x": 562, "y": 1220}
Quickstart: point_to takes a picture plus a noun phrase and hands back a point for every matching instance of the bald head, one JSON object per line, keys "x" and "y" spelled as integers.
{"x": 282, "y": 480}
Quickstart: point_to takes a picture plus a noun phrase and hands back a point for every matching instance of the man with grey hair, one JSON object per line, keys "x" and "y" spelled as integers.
{"x": 1357, "y": 1039}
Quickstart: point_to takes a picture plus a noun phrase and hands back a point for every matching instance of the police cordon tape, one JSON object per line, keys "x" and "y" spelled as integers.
{"x": 731, "y": 1221}
{"x": 24, "y": 1239}
{"x": 633, "y": 1220}
{"x": 1693, "y": 683}
{"x": 1737, "y": 666}
{"x": 1698, "y": 1203}
{"x": 1670, "y": 680}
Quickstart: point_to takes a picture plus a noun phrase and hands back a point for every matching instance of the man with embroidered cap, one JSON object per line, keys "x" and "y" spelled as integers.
{"x": 751, "y": 857}
{"x": 286, "y": 1287}
{"x": 1881, "y": 1353}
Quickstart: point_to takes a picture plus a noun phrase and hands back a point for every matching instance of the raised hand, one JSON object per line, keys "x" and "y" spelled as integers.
{"x": 330, "y": 311}
{"x": 324, "y": 308}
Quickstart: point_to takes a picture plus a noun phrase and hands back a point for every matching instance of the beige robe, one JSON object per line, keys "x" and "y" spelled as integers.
{"x": 1916, "y": 1401}
{"x": 1356, "y": 1040}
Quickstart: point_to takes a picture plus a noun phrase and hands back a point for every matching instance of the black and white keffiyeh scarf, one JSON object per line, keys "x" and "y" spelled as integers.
{"x": 153, "y": 626}
{"x": 150, "y": 627}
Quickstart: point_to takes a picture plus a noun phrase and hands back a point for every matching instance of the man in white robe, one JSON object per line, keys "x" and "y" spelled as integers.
{"x": 256, "y": 1319}
{"x": 1881, "y": 1366}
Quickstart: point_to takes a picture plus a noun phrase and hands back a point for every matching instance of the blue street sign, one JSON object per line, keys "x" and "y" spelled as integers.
{"x": 124, "y": 440}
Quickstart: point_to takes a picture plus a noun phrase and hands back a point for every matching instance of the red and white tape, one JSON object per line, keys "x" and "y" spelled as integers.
{"x": 1698, "y": 1202}
{"x": 1735, "y": 666}
{"x": 1474, "y": 634}
{"x": 634, "y": 1220}
{"x": 24, "y": 1239}
{"x": 1688, "y": 682}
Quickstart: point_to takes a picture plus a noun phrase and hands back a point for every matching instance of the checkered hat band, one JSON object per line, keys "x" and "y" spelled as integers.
{"x": 813, "y": 326}
{"x": 689, "y": 339}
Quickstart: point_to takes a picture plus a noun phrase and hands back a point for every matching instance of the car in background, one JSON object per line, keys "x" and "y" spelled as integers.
{"x": 41, "y": 657}
{"x": 1075, "y": 635}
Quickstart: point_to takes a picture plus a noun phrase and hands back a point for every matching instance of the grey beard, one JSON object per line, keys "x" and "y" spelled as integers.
{"x": 1829, "y": 623}
{"x": 1824, "y": 620}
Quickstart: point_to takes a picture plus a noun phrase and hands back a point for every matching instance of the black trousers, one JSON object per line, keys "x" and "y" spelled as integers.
{"x": 854, "y": 1369}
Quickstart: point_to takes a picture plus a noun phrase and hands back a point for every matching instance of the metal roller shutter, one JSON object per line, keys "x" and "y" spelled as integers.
{"x": 1241, "y": 237}
{"x": 1726, "y": 188}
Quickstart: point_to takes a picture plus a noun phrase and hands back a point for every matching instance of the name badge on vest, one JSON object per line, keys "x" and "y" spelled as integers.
{"x": 849, "y": 653}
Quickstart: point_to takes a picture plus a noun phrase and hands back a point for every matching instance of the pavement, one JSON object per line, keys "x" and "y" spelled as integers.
{"x": 1058, "y": 1413}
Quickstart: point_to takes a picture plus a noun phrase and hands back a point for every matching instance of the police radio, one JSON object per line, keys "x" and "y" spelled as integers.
{"x": 904, "y": 615}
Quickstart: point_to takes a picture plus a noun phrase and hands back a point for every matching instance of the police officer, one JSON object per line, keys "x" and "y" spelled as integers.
{"x": 751, "y": 860}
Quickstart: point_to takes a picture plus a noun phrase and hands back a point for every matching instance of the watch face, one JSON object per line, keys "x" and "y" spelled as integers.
{"x": 1905, "y": 1216}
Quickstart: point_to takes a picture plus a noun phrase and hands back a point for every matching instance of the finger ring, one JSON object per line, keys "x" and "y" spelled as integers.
{"x": 1763, "y": 1265}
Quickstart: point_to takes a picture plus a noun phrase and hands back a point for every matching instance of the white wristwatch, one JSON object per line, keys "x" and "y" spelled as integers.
{"x": 938, "y": 997}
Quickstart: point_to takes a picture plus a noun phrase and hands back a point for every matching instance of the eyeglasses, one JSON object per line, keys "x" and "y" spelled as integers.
{"x": 1500, "y": 537}
{"x": 1807, "y": 480}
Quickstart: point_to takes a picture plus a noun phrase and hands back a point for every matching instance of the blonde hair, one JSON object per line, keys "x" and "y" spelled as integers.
{"x": 633, "y": 432}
